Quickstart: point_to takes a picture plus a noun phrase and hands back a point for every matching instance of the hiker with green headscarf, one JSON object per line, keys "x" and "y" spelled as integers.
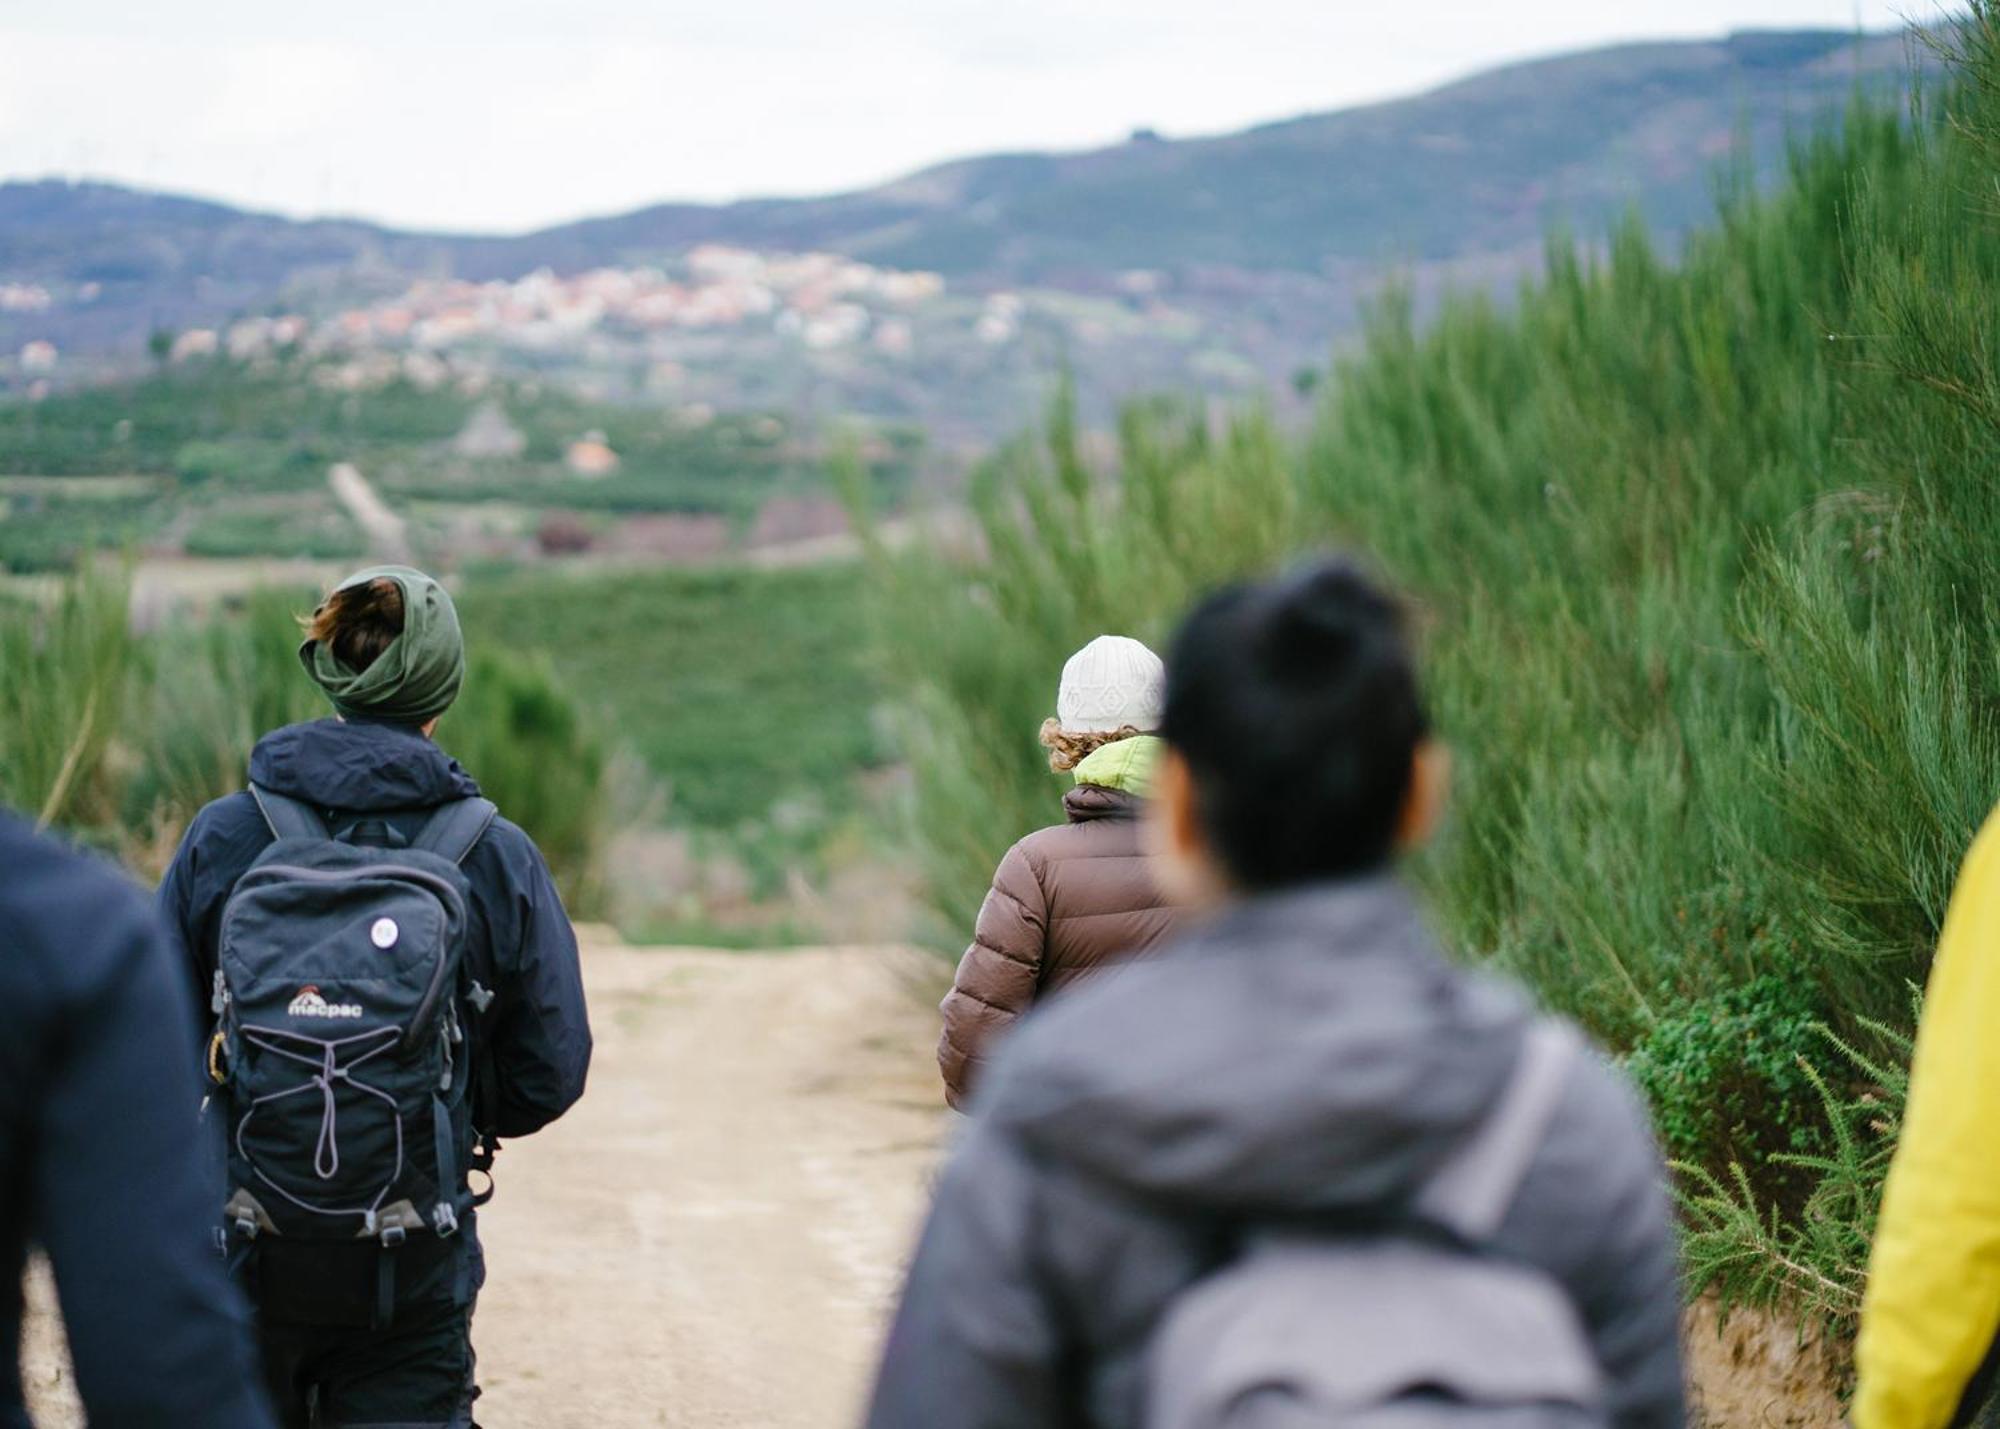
{"x": 1069, "y": 898}
{"x": 372, "y": 1328}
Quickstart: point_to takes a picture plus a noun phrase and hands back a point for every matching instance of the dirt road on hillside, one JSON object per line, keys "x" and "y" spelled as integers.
{"x": 712, "y": 1238}
{"x": 388, "y": 534}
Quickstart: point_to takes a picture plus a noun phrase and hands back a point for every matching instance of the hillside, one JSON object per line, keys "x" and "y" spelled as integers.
{"x": 1220, "y": 262}
{"x": 1477, "y": 166}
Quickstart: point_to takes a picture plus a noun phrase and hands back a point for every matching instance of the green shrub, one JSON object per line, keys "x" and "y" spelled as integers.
{"x": 1701, "y": 554}
{"x": 241, "y": 464}
{"x": 65, "y": 673}
{"x": 1814, "y": 1261}
{"x": 523, "y": 737}
{"x": 212, "y": 691}
{"x": 124, "y": 739}
{"x": 1728, "y": 1078}
{"x": 319, "y": 534}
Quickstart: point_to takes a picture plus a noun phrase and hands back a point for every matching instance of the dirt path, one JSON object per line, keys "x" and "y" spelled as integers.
{"x": 388, "y": 534}
{"x": 713, "y": 1237}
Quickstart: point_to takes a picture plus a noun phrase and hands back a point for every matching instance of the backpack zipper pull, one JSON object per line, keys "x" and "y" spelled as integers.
{"x": 218, "y": 1000}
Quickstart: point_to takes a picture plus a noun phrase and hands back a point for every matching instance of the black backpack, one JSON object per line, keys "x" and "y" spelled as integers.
{"x": 341, "y": 1058}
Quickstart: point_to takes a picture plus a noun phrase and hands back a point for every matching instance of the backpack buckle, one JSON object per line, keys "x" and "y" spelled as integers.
{"x": 444, "y": 1220}
{"x": 393, "y": 1236}
{"x": 245, "y": 1216}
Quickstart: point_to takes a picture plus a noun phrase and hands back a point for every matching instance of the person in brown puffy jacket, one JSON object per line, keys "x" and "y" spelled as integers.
{"x": 1068, "y": 897}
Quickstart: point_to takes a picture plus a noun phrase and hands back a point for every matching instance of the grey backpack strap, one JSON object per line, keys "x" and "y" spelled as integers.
{"x": 455, "y": 827}
{"x": 1472, "y": 1192}
{"x": 288, "y": 818}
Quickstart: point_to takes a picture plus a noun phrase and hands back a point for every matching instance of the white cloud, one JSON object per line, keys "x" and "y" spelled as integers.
{"x": 499, "y": 114}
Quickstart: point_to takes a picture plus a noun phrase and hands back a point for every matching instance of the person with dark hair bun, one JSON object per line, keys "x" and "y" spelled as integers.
{"x": 1294, "y": 708}
{"x": 1169, "y": 1154}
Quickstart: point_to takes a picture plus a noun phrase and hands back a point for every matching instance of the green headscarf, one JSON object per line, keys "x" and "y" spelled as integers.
{"x": 417, "y": 677}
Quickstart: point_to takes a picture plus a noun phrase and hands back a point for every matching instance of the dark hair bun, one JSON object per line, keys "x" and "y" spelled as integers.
{"x": 1296, "y": 705}
{"x": 1319, "y": 621}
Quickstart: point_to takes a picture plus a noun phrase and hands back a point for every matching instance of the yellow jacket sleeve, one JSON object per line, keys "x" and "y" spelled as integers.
{"x": 1933, "y": 1302}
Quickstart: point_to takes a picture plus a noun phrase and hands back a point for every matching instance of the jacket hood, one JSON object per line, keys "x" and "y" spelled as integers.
{"x": 1126, "y": 765}
{"x": 1304, "y": 1052}
{"x": 358, "y": 765}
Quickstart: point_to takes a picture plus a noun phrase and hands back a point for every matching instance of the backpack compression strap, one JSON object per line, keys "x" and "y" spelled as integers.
{"x": 455, "y": 828}
{"x": 1472, "y": 1192}
{"x": 288, "y": 818}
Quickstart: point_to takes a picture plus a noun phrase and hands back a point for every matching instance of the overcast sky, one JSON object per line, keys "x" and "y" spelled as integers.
{"x": 508, "y": 114}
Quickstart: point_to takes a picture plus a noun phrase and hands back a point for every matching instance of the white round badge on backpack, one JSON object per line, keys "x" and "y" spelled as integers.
{"x": 384, "y": 934}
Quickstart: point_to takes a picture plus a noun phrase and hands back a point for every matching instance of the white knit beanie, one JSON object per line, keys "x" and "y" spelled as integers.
{"x": 1112, "y": 682}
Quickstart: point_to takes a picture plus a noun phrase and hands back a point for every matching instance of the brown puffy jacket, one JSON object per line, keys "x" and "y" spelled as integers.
{"x": 1064, "y": 899}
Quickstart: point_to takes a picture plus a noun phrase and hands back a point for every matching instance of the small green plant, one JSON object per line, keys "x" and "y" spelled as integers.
{"x": 1730, "y": 1082}
{"x": 1813, "y": 1260}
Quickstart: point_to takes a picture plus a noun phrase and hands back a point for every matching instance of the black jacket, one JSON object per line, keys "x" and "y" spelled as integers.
{"x": 537, "y": 1029}
{"x": 1305, "y": 1055}
{"x": 100, "y": 1157}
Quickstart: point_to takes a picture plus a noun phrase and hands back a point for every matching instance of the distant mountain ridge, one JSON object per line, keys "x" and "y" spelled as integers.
{"x": 1299, "y": 214}
{"x": 1480, "y": 163}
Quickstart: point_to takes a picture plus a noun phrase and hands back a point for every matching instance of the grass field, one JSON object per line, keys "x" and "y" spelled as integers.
{"x": 747, "y": 696}
{"x": 223, "y": 458}
{"x": 742, "y": 690}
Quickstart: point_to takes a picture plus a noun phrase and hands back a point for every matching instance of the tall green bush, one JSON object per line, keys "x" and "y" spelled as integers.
{"x": 64, "y": 674}
{"x": 534, "y": 754}
{"x": 122, "y": 738}
{"x": 1703, "y": 554}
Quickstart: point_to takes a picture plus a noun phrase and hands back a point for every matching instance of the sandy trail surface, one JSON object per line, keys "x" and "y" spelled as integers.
{"x": 713, "y": 1237}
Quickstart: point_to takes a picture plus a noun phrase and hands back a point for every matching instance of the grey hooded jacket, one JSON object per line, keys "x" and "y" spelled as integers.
{"x": 1307, "y": 1058}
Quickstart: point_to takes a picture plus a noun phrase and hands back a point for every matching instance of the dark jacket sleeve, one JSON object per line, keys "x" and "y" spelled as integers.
{"x": 998, "y": 976}
{"x": 540, "y": 1028}
{"x": 218, "y": 846}
{"x": 974, "y": 1342}
{"x": 122, "y": 1199}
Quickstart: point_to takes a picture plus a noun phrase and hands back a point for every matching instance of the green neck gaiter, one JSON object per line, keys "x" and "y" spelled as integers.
{"x": 1127, "y": 765}
{"x": 417, "y": 677}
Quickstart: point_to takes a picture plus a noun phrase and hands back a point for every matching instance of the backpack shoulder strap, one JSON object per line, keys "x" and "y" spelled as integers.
{"x": 288, "y": 817}
{"x": 455, "y": 828}
{"x": 1472, "y": 1192}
